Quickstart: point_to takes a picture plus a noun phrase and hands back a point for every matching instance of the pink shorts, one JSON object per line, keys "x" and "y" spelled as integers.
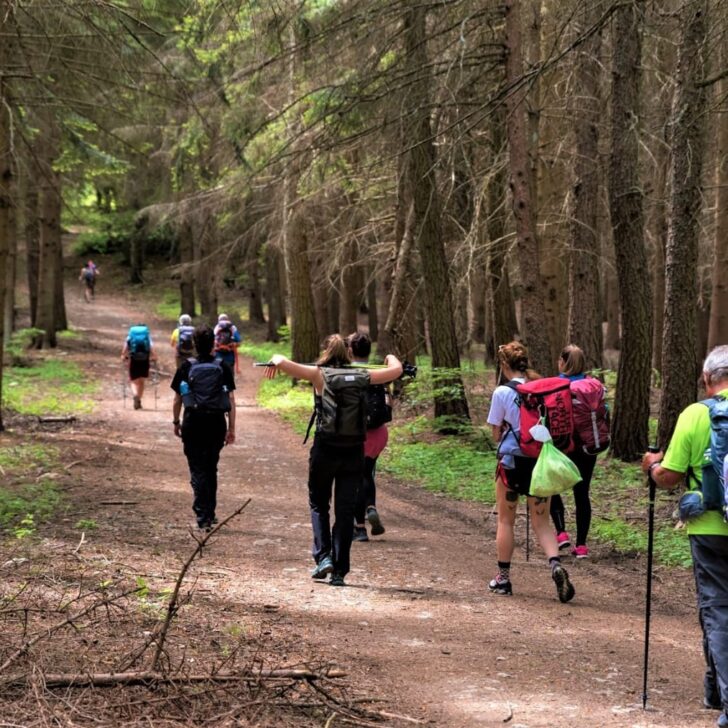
{"x": 376, "y": 441}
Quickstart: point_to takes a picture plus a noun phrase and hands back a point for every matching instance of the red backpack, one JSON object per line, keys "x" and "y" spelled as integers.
{"x": 548, "y": 399}
{"x": 591, "y": 415}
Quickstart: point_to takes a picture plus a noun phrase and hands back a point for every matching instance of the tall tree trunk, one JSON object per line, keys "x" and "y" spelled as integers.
{"x": 350, "y": 293}
{"x": 585, "y": 321}
{"x": 658, "y": 230}
{"x": 274, "y": 294}
{"x": 449, "y": 397}
{"x": 50, "y": 229}
{"x": 136, "y": 250}
{"x": 521, "y": 184}
{"x": 679, "y": 365}
{"x": 187, "y": 270}
{"x": 207, "y": 271}
{"x": 255, "y": 298}
{"x": 12, "y": 257}
{"x": 632, "y": 401}
{"x": 32, "y": 245}
{"x": 60, "y": 298}
{"x": 718, "y": 327}
{"x": 372, "y": 309}
{"x": 6, "y": 178}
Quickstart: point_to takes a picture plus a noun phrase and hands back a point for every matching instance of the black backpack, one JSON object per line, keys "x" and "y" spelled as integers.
{"x": 185, "y": 342}
{"x": 340, "y": 411}
{"x": 379, "y": 411}
{"x": 208, "y": 392}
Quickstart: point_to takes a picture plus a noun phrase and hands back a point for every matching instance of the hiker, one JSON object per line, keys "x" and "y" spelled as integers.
{"x": 337, "y": 453}
{"x": 572, "y": 363}
{"x": 182, "y": 340}
{"x": 379, "y": 412}
{"x": 695, "y": 457}
{"x": 138, "y": 351}
{"x": 88, "y": 275}
{"x": 227, "y": 338}
{"x": 205, "y": 386}
{"x": 513, "y": 476}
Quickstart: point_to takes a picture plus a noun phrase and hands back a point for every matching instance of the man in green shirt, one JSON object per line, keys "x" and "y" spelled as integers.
{"x": 688, "y": 452}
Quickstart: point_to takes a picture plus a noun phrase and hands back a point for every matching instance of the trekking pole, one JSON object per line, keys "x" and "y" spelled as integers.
{"x": 648, "y": 590}
{"x": 155, "y": 382}
{"x": 123, "y": 383}
{"x": 528, "y": 532}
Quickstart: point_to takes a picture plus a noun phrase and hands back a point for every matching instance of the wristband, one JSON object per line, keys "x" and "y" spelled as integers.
{"x": 653, "y": 465}
{"x": 175, "y": 422}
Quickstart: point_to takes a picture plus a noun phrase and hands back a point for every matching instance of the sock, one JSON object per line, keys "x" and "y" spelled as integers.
{"x": 554, "y": 561}
{"x": 504, "y": 571}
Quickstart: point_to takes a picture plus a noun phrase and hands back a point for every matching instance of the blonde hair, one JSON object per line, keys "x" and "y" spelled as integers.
{"x": 336, "y": 352}
{"x": 573, "y": 360}
{"x": 515, "y": 356}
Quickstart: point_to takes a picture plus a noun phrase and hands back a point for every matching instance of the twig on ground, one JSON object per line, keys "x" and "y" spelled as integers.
{"x": 80, "y": 543}
{"x": 119, "y": 503}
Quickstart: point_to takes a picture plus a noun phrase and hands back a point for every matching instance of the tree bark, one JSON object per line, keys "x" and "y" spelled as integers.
{"x": 32, "y": 245}
{"x": 12, "y": 255}
{"x": 50, "y": 229}
{"x": 450, "y": 401}
{"x": 679, "y": 364}
{"x": 585, "y": 321}
{"x": 632, "y": 400}
{"x": 6, "y": 178}
{"x": 274, "y": 294}
{"x": 534, "y": 332}
{"x": 207, "y": 270}
{"x": 372, "y": 310}
{"x": 255, "y": 298}
{"x": 350, "y": 294}
{"x": 718, "y": 327}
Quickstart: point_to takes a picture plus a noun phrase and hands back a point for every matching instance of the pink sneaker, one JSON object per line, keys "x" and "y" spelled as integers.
{"x": 563, "y": 540}
{"x": 581, "y": 552}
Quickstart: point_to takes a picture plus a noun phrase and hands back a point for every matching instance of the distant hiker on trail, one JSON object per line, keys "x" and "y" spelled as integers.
{"x": 138, "y": 351}
{"x": 205, "y": 386}
{"x": 88, "y": 277}
{"x": 227, "y": 338}
{"x": 696, "y": 457}
{"x": 513, "y": 476}
{"x": 337, "y": 454}
{"x": 379, "y": 412}
{"x": 182, "y": 340}
{"x": 592, "y": 435}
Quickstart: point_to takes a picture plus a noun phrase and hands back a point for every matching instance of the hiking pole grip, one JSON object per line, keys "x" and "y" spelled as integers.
{"x": 648, "y": 589}
{"x": 263, "y": 364}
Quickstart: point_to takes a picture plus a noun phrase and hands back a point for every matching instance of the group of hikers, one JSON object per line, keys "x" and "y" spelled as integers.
{"x": 352, "y": 406}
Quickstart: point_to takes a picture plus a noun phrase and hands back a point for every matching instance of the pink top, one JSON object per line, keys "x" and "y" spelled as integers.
{"x": 376, "y": 441}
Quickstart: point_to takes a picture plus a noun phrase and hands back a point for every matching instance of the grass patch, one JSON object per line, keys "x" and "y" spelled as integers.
{"x": 24, "y": 504}
{"x": 48, "y": 387}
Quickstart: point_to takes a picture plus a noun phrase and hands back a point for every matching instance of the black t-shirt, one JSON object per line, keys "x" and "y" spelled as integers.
{"x": 182, "y": 374}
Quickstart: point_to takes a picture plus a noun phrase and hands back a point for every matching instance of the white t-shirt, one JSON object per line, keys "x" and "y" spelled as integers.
{"x": 504, "y": 409}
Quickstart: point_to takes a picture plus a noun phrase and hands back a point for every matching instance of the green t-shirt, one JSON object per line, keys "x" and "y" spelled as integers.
{"x": 690, "y": 448}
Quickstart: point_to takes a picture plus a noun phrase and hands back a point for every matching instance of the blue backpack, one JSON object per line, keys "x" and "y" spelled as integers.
{"x": 139, "y": 343}
{"x": 714, "y": 487}
{"x": 185, "y": 340}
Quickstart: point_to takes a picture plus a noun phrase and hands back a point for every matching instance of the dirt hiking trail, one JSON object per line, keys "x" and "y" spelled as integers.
{"x": 415, "y": 626}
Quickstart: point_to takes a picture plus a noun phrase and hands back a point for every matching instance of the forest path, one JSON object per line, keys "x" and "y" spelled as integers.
{"x": 415, "y": 624}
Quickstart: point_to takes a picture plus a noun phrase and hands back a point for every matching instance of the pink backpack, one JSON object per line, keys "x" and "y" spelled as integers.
{"x": 591, "y": 416}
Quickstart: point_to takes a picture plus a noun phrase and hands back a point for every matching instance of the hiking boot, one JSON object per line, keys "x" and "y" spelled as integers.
{"x": 375, "y": 521}
{"x": 723, "y": 720}
{"x": 336, "y": 579}
{"x": 324, "y": 567}
{"x": 712, "y": 703}
{"x": 137, "y": 403}
{"x": 581, "y": 552}
{"x": 564, "y": 588}
{"x": 498, "y": 586}
{"x": 360, "y": 533}
{"x": 563, "y": 540}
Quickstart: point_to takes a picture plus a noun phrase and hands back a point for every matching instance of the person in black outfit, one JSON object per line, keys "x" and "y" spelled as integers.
{"x": 333, "y": 463}
{"x": 203, "y": 429}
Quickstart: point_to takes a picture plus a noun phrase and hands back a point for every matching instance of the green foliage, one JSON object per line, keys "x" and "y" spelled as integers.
{"x": 22, "y": 459}
{"x": 23, "y": 506}
{"x": 169, "y": 306}
{"x": 21, "y": 340}
{"x": 48, "y": 387}
{"x": 86, "y": 524}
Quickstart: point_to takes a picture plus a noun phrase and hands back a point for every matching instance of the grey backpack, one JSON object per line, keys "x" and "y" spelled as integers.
{"x": 340, "y": 411}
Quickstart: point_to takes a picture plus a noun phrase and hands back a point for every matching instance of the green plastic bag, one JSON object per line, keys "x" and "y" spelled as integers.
{"x": 554, "y": 472}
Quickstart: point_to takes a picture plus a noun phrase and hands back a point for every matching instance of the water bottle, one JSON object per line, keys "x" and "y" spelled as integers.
{"x": 187, "y": 398}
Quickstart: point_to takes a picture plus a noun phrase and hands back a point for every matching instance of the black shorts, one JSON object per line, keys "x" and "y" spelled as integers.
{"x": 138, "y": 369}
{"x": 519, "y": 477}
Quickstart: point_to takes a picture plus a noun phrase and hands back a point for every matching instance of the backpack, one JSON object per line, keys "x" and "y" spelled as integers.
{"x": 185, "y": 342}
{"x": 89, "y": 275}
{"x": 713, "y": 480}
{"x": 340, "y": 411}
{"x": 379, "y": 411}
{"x": 207, "y": 390}
{"x": 139, "y": 343}
{"x": 224, "y": 337}
{"x": 591, "y": 415}
{"x": 548, "y": 399}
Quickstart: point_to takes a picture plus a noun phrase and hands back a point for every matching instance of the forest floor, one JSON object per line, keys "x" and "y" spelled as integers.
{"x": 415, "y": 628}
